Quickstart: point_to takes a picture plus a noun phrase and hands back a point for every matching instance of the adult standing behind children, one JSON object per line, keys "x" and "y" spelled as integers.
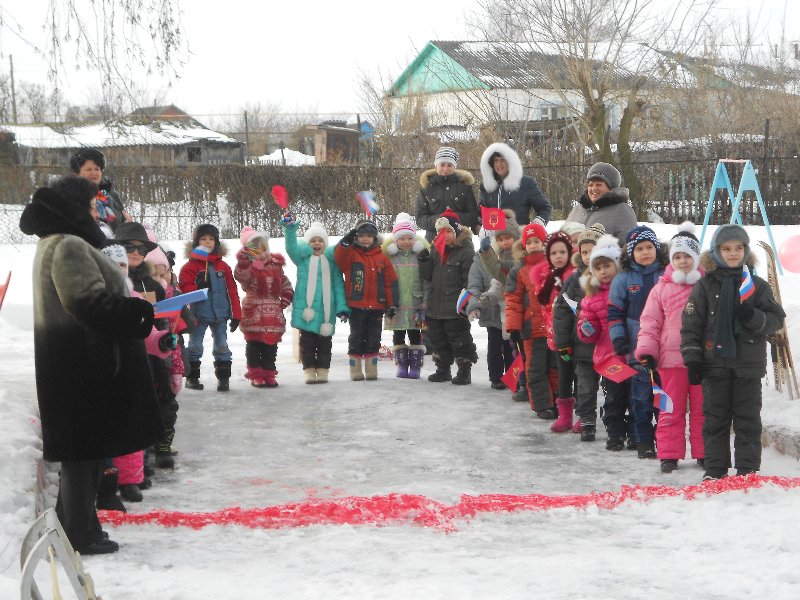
{"x": 605, "y": 201}
{"x": 90, "y": 164}
{"x": 504, "y": 185}
{"x": 96, "y": 395}
{"x": 445, "y": 186}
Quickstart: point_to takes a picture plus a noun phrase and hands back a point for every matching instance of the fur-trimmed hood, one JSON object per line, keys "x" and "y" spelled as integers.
{"x": 223, "y": 249}
{"x": 708, "y": 264}
{"x": 618, "y": 195}
{"x": 389, "y": 247}
{"x": 464, "y": 238}
{"x": 489, "y": 178}
{"x": 429, "y": 175}
{"x": 577, "y": 261}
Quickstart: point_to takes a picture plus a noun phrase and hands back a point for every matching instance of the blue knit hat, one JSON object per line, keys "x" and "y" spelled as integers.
{"x": 639, "y": 234}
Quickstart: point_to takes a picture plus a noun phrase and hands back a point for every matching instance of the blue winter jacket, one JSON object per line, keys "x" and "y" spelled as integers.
{"x": 626, "y": 300}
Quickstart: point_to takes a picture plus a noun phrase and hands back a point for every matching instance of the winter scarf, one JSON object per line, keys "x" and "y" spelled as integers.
{"x": 104, "y": 207}
{"x": 724, "y": 341}
{"x": 314, "y": 262}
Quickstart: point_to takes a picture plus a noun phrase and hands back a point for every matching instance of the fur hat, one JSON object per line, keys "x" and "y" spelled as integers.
{"x": 249, "y": 234}
{"x": 639, "y": 234}
{"x": 592, "y": 234}
{"x": 403, "y": 225}
{"x": 533, "y": 230}
{"x": 605, "y": 172}
{"x": 450, "y": 220}
{"x": 446, "y": 154}
{"x": 571, "y": 227}
{"x": 554, "y": 238}
{"x": 205, "y": 229}
{"x": 366, "y": 227}
{"x": 130, "y": 231}
{"x": 685, "y": 241}
{"x": 727, "y": 233}
{"x": 81, "y": 156}
{"x": 316, "y": 229}
{"x": 607, "y": 247}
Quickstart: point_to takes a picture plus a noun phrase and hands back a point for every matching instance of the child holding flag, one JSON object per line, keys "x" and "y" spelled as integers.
{"x": 206, "y": 269}
{"x": 659, "y": 347}
{"x": 446, "y": 269}
{"x": 723, "y": 342}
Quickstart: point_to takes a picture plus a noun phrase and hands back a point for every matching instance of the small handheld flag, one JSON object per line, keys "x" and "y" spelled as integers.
{"x": 367, "y": 201}
{"x": 171, "y": 307}
{"x": 660, "y": 397}
{"x": 614, "y": 369}
{"x": 747, "y": 288}
{"x": 281, "y": 196}
{"x": 494, "y": 219}
{"x": 571, "y": 303}
{"x": 201, "y": 253}
{"x": 463, "y": 300}
{"x": 511, "y": 376}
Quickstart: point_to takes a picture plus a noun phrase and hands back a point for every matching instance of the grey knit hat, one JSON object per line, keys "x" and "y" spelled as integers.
{"x": 591, "y": 234}
{"x": 512, "y": 227}
{"x": 605, "y": 172}
{"x": 728, "y": 233}
{"x": 446, "y": 154}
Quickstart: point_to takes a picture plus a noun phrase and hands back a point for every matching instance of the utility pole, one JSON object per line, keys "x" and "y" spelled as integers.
{"x": 246, "y": 133}
{"x": 13, "y": 90}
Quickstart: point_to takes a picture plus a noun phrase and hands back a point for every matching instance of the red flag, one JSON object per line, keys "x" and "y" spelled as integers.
{"x": 511, "y": 376}
{"x": 3, "y": 289}
{"x": 493, "y": 218}
{"x": 441, "y": 245}
{"x": 615, "y": 369}
{"x": 280, "y": 195}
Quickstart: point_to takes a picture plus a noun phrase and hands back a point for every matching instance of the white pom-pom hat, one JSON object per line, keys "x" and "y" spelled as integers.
{"x": 686, "y": 241}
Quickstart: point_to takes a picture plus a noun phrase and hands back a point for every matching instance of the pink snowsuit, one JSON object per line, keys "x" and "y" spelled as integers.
{"x": 660, "y": 337}
{"x": 594, "y": 309}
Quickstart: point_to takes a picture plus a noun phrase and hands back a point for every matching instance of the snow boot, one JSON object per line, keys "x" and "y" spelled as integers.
{"x": 464, "y": 373}
{"x": 442, "y": 370}
{"x": 163, "y": 451}
{"x": 401, "y": 360}
{"x": 355, "y": 368}
{"x": 588, "y": 432}
{"x": 256, "y": 376}
{"x": 322, "y": 375}
{"x": 668, "y": 465}
{"x": 564, "y": 421}
{"x": 576, "y": 428}
{"x": 615, "y": 443}
{"x": 646, "y": 449}
{"x": 521, "y": 395}
{"x": 270, "y": 377}
{"x": 547, "y": 414}
{"x": 311, "y": 375}
{"x": 222, "y": 370}
{"x": 193, "y": 376}
{"x": 131, "y": 492}
{"x": 499, "y": 386}
{"x": 371, "y": 367}
{"x": 107, "y": 498}
{"x": 416, "y": 356}
{"x": 745, "y": 472}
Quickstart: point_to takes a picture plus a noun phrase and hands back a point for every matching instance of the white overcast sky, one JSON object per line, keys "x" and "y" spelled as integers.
{"x": 305, "y": 56}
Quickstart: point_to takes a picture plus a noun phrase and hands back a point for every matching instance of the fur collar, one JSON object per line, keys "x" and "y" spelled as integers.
{"x": 430, "y": 176}
{"x": 390, "y": 248}
{"x": 577, "y": 261}
{"x": 48, "y": 213}
{"x": 489, "y": 178}
{"x": 614, "y": 196}
{"x": 707, "y": 263}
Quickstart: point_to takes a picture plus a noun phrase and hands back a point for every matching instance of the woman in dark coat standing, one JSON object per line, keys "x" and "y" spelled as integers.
{"x": 90, "y": 164}
{"x": 95, "y": 391}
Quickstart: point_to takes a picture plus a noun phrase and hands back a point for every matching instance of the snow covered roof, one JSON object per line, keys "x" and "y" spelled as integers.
{"x": 115, "y": 134}
{"x": 699, "y": 142}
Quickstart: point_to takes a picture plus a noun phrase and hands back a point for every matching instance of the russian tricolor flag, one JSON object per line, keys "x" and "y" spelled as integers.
{"x": 661, "y": 399}
{"x": 367, "y": 201}
{"x": 201, "y": 252}
{"x": 463, "y": 299}
{"x": 748, "y": 288}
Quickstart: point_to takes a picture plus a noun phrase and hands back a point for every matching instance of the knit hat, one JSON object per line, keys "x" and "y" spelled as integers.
{"x": 130, "y": 231}
{"x": 450, "y": 220}
{"x": 554, "y": 238}
{"x": 446, "y": 154}
{"x": 205, "y": 229}
{"x": 592, "y": 234}
{"x": 533, "y": 230}
{"x": 639, "y": 234}
{"x": 512, "y": 227}
{"x": 607, "y": 247}
{"x": 81, "y": 156}
{"x": 157, "y": 257}
{"x": 686, "y": 241}
{"x": 605, "y": 172}
{"x": 249, "y": 234}
{"x": 316, "y": 229}
{"x": 571, "y": 227}
{"x": 366, "y": 227}
{"x": 403, "y": 225}
{"x": 117, "y": 254}
{"x": 727, "y": 233}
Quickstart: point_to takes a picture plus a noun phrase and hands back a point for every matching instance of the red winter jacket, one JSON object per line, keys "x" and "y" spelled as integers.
{"x": 188, "y": 278}
{"x": 370, "y": 280}
{"x": 539, "y": 275}
{"x": 267, "y": 293}
{"x": 523, "y": 311}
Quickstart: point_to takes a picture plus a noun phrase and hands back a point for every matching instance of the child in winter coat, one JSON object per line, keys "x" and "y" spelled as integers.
{"x": 525, "y": 322}
{"x": 402, "y": 248}
{"x": 571, "y": 349}
{"x": 489, "y": 300}
{"x": 447, "y": 274}
{"x": 371, "y": 287}
{"x": 592, "y": 328}
{"x": 206, "y": 269}
{"x": 548, "y": 279}
{"x": 642, "y": 265}
{"x": 319, "y": 296}
{"x": 267, "y": 293}
{"x": 723, "y": 342}
{"x": 659, "y": 347}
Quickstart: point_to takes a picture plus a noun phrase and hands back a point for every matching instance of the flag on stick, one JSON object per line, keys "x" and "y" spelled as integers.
{"x": 367, "y": 201}
{"x": 280, "y": 196}
{"x": 615, "y": 369}
{"x": 201, "y": 253}
{"x": 171, "y": 307}
{"x": 463, "y": 300}
{"x": 511, "y": 377}
{"x": 660, "y": 398}
{"x": 747, "y": 288}
{"x": 494, "y": 219}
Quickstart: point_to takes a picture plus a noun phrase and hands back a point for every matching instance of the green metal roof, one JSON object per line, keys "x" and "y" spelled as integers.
{"x": 433, "y": 71}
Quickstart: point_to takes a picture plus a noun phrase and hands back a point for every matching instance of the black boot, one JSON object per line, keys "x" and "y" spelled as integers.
{"x": 223, "y": 372}
{"x": 464, "y": 374}
{"x": 193, "y": 377}
{"x": 163, "y": 450}
{"x": 668, "y": 465}
{"x": 442, "y": 370}
{"x": 107, "y": 498}
{"x": 588, "y": 432}
{"x": 615, "y": 443}
{"x": 646, "y": 449}
{"x": 131, "y": 492}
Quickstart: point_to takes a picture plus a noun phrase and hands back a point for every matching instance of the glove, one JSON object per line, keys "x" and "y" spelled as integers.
{"x": 587, "y": 329}
{"x": 168, "y": 341}
{"x": 391, "y": 312}
{"x": 565, "y": 353}
{"x": 348, "y": 238}
{"x": 486, "y": 243}
{"x": 649, "y": 362}
{"x": 424, "y": 255}
{"x": 343, "y": 316}
{"x": 288, "y": 219}
{"x": 475, "y": 314}
{"x": 234, "y": 325}
{"x": 621, "y": 346}
{"x": 695, "y": 373}
{"x": 201, "y": 281}
{"x": 745, "y": 312}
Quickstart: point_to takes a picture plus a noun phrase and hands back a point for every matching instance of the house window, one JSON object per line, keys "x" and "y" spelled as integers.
{"x": 194, "y": 154}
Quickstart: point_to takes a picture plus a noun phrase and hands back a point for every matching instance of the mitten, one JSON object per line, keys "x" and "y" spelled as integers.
{"x": 288, "y": 219}
{"x": 621, "y": 346}
{"x": 745, "y": 312}
{"x": 343, "y": 316}
{"x": 348, "y": 238}
{"x": 243, "y": 257}
{"x": 695, "y": 373}
{"x": 200, "y": 280}
{"x": 391, "y": 312}
{"x": 234, "y": 325}
{"x": 486, "y": 243}
{"x": 424, "y": 255}
{"x": 649, "y": 362}
{"x": 565, "y": 353}
{"x": 168, "y": 341}
{"x": 587, "y": 329}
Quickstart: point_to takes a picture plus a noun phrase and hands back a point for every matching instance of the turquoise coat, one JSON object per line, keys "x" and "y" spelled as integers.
{"x": 300, "y": 254}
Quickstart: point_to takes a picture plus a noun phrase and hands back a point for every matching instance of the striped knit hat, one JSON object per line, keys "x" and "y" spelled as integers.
{"x": 446, "y": 154}
{"x": 403, "y": 225}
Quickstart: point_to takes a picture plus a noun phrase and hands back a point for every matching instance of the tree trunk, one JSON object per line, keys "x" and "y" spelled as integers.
{"x": 625, "y": 156}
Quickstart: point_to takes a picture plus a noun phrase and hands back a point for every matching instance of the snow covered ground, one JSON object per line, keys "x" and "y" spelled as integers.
{"x": 409, "y": 489}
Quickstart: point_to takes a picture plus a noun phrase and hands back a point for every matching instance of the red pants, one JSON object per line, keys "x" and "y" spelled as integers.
{"x": 671, "y": 430}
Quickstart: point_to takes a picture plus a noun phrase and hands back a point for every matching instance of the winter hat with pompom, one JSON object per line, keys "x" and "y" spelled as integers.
{"x": 686, "y": 241}
{"x": 316, "y": 229}
{"x": 536, "y": 230}
{"x": 592, "y": 234}
{"x": 607, "y": 247}
{"x": 450, "y": 220}
{"x": 403, "y": 225}
{"x": 572, "y": 227}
